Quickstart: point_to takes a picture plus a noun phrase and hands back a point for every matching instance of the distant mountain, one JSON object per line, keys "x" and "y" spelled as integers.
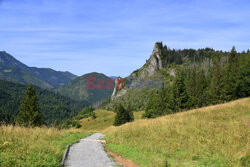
{"x": 13, "y": 70}
{"x": 52, "y": 106}
{"x": 77, "y": 89}
{"x": 113, "y": 77}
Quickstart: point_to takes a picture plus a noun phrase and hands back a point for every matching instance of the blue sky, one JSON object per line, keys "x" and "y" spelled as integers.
{"x": 116, "y": 37}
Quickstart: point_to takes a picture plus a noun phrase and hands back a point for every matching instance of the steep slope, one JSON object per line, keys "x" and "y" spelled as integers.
{"x": 18, "y": 75}
{"x": 14, "y": 70}
{"x": 52, "y": 106}
{"x": 210, "y": 136}
{"x": 77, "y": 89}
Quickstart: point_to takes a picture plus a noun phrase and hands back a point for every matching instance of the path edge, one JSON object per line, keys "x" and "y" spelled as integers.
{"x": 119, "y": 159}
{"x": 66, "y": 152}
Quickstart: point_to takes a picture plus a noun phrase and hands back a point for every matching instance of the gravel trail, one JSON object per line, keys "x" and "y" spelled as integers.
{"x": 89, "y": 152}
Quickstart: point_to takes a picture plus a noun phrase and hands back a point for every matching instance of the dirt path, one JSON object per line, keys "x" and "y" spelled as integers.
{"x": 121, "y": 160}
{"x": 89, "y": 152}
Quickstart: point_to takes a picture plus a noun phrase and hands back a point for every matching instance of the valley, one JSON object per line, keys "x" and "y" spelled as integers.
{"x": 124, "y": 83}
{"x": 181, "y": 108}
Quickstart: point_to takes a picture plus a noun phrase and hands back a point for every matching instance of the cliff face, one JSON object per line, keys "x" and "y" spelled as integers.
{"x": 153, "y": 64}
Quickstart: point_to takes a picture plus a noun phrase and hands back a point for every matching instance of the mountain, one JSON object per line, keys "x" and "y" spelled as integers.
{"x": 52, "y": 106}
{"x": 194, "y": 71}
{"x": 78, "y": 90}
{"x": 13, "y": 70}
{"x": 113, "y": 77}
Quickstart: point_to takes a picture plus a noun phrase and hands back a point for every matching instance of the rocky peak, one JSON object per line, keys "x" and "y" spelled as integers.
{"x": 153, "y": 64}
{"x": 157, "y": 48}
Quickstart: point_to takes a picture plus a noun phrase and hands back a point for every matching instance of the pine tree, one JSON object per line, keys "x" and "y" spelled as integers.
{"x": 29, "y": 114}
{"x": 180, "y": 95}
{"x": 243, "y": 77}
{"x": 159, "y": 104}
{"x": 155, "y": 106}
{"x": 217, "y": 83}
{"x": 231, "y": 74}
{"x": 122, "y": 115}
{"x": 191, "y": 86}
{"x": 201, "y": 88}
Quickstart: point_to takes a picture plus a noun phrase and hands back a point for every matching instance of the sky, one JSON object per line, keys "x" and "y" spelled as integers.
{"x": 115, "y": 37}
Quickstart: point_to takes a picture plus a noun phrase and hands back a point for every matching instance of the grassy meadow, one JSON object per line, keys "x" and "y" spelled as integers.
{"x": 210, "y": 136}
{"x": 31, "y": 147}
{"x": 104, "y": 119}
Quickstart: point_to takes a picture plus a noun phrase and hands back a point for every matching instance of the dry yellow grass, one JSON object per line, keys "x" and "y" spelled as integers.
{"x": 24, "y": 147}
{"x": 210, "y": 136}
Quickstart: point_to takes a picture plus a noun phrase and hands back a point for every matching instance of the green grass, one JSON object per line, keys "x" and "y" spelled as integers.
{"x": 210, "y": 136}
{"x": 104, "y": 119}
{"x": 33, "y": 147}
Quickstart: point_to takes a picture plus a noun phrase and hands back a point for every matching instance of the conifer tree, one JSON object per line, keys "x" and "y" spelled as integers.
{"x": 191, "y": 86}
{"x": 122, "y": 115}
{"x": 155, "y": 106}
{"x": 216, "y": 87}
{"x": 160, "y": 103}
{"x": 231, "y": 75}
{"x": 201, "y": 88}
{"x": 243, "y": 77}
{"x": 29, "y": 114}
{"x": 180, "y": 95}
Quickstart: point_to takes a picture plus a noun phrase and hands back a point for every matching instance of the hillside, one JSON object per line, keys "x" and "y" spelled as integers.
{"x": 196, "y": 72}
{"x": 52, "y": 106}
{"x": 77, "y": 89}
{"x": 211, "y": 136}
{"x": 13, "y": 70}
{"x": 103, "y": 120}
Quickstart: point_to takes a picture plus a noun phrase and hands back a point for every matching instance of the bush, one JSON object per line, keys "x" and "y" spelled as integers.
{"x": 122, "y": 115}
{"x": 86, "y": 112}
{"x": 70, "y": 123}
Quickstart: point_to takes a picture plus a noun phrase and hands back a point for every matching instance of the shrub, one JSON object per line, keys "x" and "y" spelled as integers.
{"x": 122, "y": 115}
{"x": 86, "y": 112}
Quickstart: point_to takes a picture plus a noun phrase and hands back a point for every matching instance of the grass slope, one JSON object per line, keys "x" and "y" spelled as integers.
{"x": 210, "y": 136}
{"x": 104, "y": 119}
{"x": 31, "y": 147}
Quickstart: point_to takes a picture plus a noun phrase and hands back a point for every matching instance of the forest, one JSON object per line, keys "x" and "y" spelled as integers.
{"x": 53, "y": 107}
{"x": 226, "y": 78}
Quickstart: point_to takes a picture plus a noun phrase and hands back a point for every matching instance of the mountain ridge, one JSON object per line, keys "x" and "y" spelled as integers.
{"x": 12, "y": 69}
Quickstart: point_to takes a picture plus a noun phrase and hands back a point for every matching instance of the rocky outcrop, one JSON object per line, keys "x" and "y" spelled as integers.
{"x": 153, "y": 64}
